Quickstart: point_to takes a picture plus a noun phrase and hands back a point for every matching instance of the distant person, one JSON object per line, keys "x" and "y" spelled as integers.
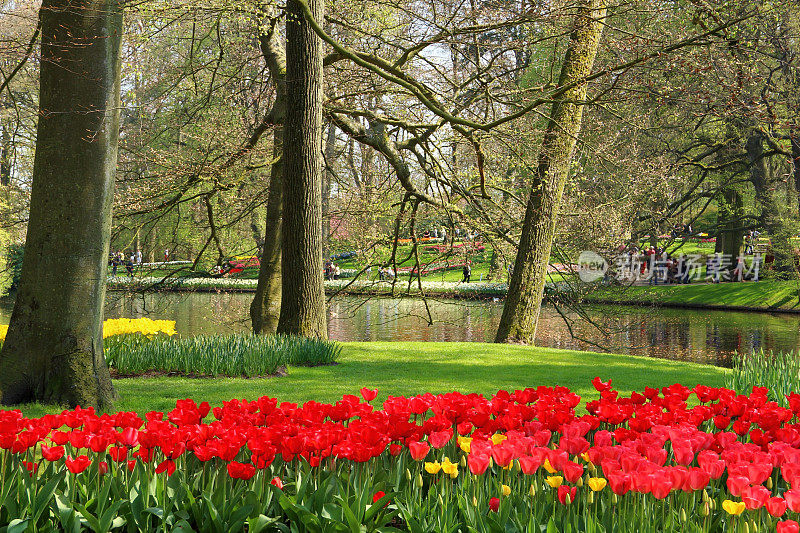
{"x": 467, "y": 271}
{"x": 129, "y": 266}
{"x": 139, "y": 257}
{"x": 336, "y": 271}
{"x": 114, "y": 263}
{"x": 166, "y": 255}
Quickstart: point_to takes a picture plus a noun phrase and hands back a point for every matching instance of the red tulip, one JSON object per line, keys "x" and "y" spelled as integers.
{"x": 77, "y": 465}
{"x": 572, "y": 471}
{"x": 439, "y": 439}
{"x": 565, "y": 490}
{"x": 722, "y": 422}
{"x": 620, "y": 483}
{"x": 776, "y": 506}
{"x": 118, "y": 453}
{"x": 494, "y": 504}
{"x": 529, "y": 464}
{"x": 418, "y": 450}
{"x": 241, "y": 470}
{"x": 755, "y": 497}
{"x": 102, "y": 468}
{"x": 276, "y": 481}
{"x": 788, "y": 526}
{"x": 167, "y": 466}
{"x": 792, "y": 498}
{"x": 52, "y": 454}
{"x": 377, "y": 496}
{"x": 369, "y": 394}
{"x": 601, "y": 386}
{"x": 736, "y": 484}
{"x": 502, "y": 455}
{"x": 478, "y": 463}
{"x": 129, "y": 437}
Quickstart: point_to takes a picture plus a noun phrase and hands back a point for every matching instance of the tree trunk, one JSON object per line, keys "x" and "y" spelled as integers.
{"x": 266, "y": 306}
{"x": 303, "y": 298}
{"x": 330, "y": 156}
{"x": 795, "y": 139}
{"x": 729, "y": 226}
{"x": 770, "y": 216}
{"x": 53, "y": 352}
{"x": 5, "y": 156}
{"x": 521, "y": 309}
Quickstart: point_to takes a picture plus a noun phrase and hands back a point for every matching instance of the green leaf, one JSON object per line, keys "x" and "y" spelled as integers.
{"x": 237, "y": 519}
{"x": 551, "y": 526}
{"x": 90, "y": 519}
{"x": 260, "y": 523}
{"x": 109, "y": 515}
{"x": 155, "y": 511}
{"x": 352, "y": 521}
{"x": 18, "y": 525}
{"x": 45, "y": 495}
{"x": 182, "y": 526}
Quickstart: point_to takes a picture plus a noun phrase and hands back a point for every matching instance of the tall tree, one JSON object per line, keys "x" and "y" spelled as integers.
{"x": 303, "y": 298}
{"x": 521, "y": 309}
{"x": 266, "y": 306}
{"x": 53, "y": 351}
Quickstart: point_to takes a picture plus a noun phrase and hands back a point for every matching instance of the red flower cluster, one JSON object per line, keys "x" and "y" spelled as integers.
{"x": 650, "y": 442}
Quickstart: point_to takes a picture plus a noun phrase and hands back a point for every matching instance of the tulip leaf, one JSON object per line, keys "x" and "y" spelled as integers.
{"x": 90, "y": 519}
{"x": 352, "y": 521}
{"x": 18, "y": 525}
{"x": 45, "y": 495}
{"x": 259, "y": 523}
{"x": 109, "y": 515}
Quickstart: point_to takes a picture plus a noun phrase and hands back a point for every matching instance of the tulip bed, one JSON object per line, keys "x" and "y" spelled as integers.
{"x": 517, "y": 461}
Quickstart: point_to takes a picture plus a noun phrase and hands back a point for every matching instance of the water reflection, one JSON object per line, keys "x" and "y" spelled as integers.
{"x": 682, "y": 334}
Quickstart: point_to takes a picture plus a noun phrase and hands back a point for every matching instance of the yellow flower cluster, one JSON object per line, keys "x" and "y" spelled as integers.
{"x": 445, "y": 466}
{"x": 122, "y": 326}
{"x": 145, "y": 326}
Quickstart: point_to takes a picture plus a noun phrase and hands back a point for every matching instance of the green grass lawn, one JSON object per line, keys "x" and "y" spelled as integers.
{"x": 408, "y": 368}
{"x": 762, "y": 295}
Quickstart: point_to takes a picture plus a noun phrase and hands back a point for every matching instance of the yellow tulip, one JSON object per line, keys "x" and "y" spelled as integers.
{"x": 449, "y": 468}
{"x": 554, "y": 481}
{"x": 433, "y": 468}
{"x": 597, "y": 484}
{"x": 465, "y": 443}
{"x": 549, "y": 467}
{"x": 497, "y": 438}
{"x": 506, "y": 490}
{"x": 732, "y": 507}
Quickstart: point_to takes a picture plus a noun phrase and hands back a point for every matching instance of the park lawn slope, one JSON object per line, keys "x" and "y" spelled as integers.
{"x": 407, "y": 368}
{"x": 770, "y": 295}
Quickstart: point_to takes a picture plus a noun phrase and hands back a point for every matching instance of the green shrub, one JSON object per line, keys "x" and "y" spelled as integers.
{"x": 218, "y": 355}
{"x": 779, "y": 372}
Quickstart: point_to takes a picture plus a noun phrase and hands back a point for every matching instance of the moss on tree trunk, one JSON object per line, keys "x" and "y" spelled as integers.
{"x": 521, "y": 309}
{"x": 53, "y": 351}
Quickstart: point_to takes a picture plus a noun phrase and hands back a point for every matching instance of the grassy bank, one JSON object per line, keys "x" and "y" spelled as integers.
{"x": 451, "y": 289}
{"x": 414, "y": 368}
{"x": 759, "y": 296}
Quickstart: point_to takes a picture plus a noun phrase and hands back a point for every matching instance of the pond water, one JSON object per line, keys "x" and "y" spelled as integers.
{"x": 681, "y": 334}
